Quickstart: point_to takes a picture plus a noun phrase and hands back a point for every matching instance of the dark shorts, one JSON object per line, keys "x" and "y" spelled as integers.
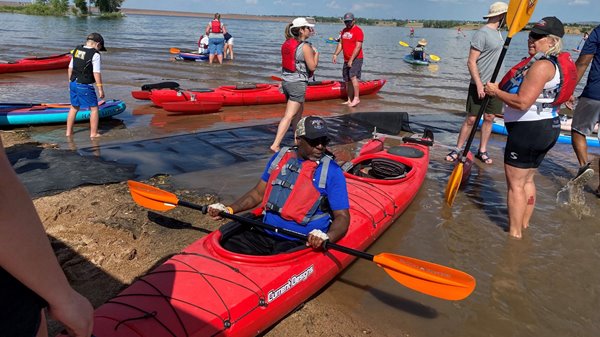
{"x": 20, "y": 308}
{"x": 354, "y": 71}
{"x": 585, "y": 116}
{"x": 494, "y": 107}
{"x": 82, "y": 95}
{"x": 248, "y": 240}
{"x": 294, "y": 91}
{"x": 528, "y": 142}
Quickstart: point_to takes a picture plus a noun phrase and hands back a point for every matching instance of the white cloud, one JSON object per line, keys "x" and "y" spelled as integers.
{"x": 579, "y": 2}
{"x": 252, "y": 2}
{"x": 333, "y": 4}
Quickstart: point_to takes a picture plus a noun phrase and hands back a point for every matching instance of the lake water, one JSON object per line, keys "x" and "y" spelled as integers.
{"x": 543, "y": 285}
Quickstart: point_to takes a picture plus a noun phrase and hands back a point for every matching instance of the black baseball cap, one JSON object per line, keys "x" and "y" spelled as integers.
{"x": 549, "y": 25}
{"x": 96, "y": 37}
{"x": 311, "y": 127}
{"x": 348, "y": 16}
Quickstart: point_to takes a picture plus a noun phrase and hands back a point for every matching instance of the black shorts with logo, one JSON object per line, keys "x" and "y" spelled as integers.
{"x": 528, "y": 142}
{"x": 20, "y": 308}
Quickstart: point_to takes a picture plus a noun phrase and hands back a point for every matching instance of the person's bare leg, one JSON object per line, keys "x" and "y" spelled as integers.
{"x": 579, "y": 144}
{"x": 220, "y": 58}
{"x": 71, "y": 120}
{"x": 530, "y": 193}
{"x": 356, "y": 90}
{"x": 349, "y": 92}
{"x": 486, "y": 131}
{"x": 94, "y": 120}
{"x": 465, "y": 131}
{"x": 211, "y": 57}
{"x": 291, "y": 109}
{"x": 516, "y": 199}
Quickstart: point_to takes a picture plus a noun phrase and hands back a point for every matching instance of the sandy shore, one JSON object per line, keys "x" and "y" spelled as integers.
{"x": 104, "y": 241}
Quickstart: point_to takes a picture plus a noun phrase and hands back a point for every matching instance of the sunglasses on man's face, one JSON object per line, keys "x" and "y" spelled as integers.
{"x": 315, "y": 142}
{"x": 535, "y": 36}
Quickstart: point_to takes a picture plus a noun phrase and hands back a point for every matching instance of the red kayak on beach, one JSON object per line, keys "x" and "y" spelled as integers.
{"x": 37, "y": 64}
{"x": 254, "y": 94}
{"x": 208, "y": 291}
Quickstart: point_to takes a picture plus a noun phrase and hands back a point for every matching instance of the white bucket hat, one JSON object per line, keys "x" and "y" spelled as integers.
{"x": 497, "y": 8}
{"x": 301, "y": 22}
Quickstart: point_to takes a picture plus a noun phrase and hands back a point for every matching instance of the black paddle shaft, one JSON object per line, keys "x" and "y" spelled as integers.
{"x": 284, "y": 231}
{"x": 486, "y": 100}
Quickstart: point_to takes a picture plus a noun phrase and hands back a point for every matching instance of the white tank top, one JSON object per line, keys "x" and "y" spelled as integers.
{"x": 537, "y": 111}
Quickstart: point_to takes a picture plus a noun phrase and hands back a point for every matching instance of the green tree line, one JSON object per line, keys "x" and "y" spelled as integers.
{"x": 61, "y": 7}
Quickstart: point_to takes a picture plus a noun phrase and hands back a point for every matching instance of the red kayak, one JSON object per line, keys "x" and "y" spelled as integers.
{"x": 208, "y": 291}
{"x": 255, "y": 94}
{"x": 37, "y": 64}
{"x": 144, "y": 93}
{"x": 193, "y": 107}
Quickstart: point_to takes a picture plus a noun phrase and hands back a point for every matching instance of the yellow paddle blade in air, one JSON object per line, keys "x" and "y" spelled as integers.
{"x": 403, "y": 44}
{"x": 518, "y": 15}
{"x": 434, "y": 57}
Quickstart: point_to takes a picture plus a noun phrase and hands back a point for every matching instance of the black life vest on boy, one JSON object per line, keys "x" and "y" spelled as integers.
{"x": 83, "y": 71}
{"x": 561, "y": 93}
{"x": 290, "y": 190}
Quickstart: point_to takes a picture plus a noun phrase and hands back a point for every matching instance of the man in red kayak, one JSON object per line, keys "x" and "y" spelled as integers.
{"x": 302, "y": 189}
{"x": 30, "y": 277}
{"x": 351, "y": 42}
{"x": 84, "y": 71}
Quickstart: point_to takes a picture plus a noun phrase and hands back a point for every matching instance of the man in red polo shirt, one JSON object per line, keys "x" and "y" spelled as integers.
{"x": 351, "y": 42}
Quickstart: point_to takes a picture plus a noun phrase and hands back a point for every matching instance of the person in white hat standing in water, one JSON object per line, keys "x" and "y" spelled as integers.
{"x": 486, "y": 46}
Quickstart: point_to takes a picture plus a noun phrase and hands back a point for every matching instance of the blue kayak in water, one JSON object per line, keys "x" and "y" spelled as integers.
{"x": 410, "y": 59}
{"x": 498, "y": 127}
{"x": 192, "y": 57}
{"x": 48, "y": 113}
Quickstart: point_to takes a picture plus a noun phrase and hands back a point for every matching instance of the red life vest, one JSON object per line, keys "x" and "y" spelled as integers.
{"x": 290, "y": 190}
{"x": 288, "y": 54}
{"x": 566, "y": 68}
{"x": 215, "y": 26}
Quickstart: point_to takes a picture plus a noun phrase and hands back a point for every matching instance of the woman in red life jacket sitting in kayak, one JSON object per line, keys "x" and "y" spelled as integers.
{"x": 532, "y": 96}
{"x": 302, "y": 189}
{"x": 299, "y": 60}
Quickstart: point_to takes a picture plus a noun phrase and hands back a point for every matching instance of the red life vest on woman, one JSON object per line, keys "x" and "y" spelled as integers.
{"x": 215, "y": 26}
{"x": 290, "y": 190}
{"x": 288, "y": 54}
{"x": 566, "y": 68}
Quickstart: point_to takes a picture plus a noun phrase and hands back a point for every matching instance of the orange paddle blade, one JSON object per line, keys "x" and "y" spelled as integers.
{"x": 454, "y": 183}
{"x": 426, "y": 277}
{"x": 518, "y": 15}
{"x": 174, "y": 51}
{"x": 151, "y": 197}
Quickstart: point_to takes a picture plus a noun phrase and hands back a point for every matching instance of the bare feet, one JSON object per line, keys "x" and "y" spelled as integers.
{"x": 354, "y": 102}
{"x": 95, "y": 136}
{"x": 347, "y": 102}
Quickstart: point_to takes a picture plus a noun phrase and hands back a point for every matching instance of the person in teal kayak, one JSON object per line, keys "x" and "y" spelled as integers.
{"x": 31, "y": 278}
{"x": 84, "y": 71}
{"x": 299, "y": 60}
{"x": 418, "y": 52}
{"x": 216, "y": 39}
{"x": 302, "y": 189}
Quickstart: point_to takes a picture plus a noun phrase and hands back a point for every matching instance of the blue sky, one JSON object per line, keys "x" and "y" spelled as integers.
{"x": 566, "y": 10}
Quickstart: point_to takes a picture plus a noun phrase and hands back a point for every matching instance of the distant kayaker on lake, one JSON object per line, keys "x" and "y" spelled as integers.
{"x": 299, "y": 60}
{"x": 486, "y": 46}
{"x": 351, "y": 42}
{"x": 30, "y": 277}
{"x": 302, "y": 189}
{"x": 84, "y": 71}
{"x": 418, "y": 52}
{"x": 216, "y": 39}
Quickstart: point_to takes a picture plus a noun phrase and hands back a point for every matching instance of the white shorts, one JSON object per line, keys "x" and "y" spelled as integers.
{"x": 230, "y": 41}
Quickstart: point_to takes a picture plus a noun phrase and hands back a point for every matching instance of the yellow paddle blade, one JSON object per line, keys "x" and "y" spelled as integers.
{"x": 174, "y": 51}
{"x": 434, "y": 57}
{"x": 454, "y": 183}
{"x": 518, "y": 15}
{"x": 426, "y": 277}
{"x": 403, "y": 44}
{"x": 151, "y": 197}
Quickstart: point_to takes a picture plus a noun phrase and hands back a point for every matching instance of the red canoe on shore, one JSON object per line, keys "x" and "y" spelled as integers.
{"x": 192, "y": 107}
{"x": 208, "y": 291}
{"x": 254, "y": 94}
{"x": 37, "y": 64}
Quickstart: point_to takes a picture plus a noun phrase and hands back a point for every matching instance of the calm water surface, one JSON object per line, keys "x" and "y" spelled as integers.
{"x": 544, "y": 285}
